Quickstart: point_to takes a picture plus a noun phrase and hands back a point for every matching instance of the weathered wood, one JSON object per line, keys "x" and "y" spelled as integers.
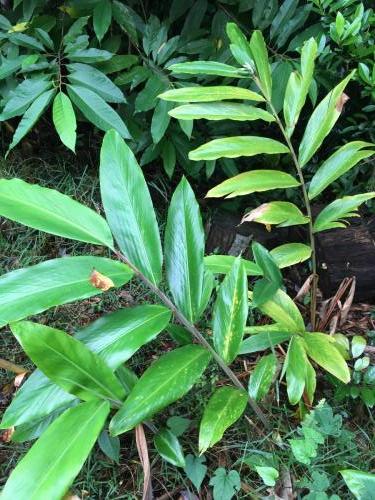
{"x": 341, "y": 252}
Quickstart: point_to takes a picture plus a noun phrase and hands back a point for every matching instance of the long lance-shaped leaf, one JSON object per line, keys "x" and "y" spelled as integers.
{"x": 322, "y": 121}
{"x": 230, "y": 313}
{"x": 361, "y": 484}
{"x": 53, "y": 212}
{"x": 165, "y": 381}
{"x": 67, "y": 362}
{"x": 115, "y": 337}
{"x": 64, "y": 120}
{"x": 264, "y": 340}
{"x": 56, "y": 458}
{"x": 128, "y": 206}
{"x": 282, "y": 213}
{"x": 207, "y": 68}
{"x": 298, "y": 86}
{"x": 252, "y": 182}
{"x": 210, "y": 93}
{"x": 259, "y": 52}
{"x": 168, "y": 446}
{"x": 224, "y": 407}
{"x": 296, "y": 366}
{"x": 283, "y": 310}
{"x": 338, "y": 164}
{"x": 34, "y": 289}
{"x": 262, "y": 376}
{"x": 233, "y": 147}
{"x": 184, "y": 250}
{"x": 31, "y": 116}
{"x": 23, "y": 96}
{"x": 222, "y": 264}
{"x": 334, "y": 214}
{"x": 221, "y": 111}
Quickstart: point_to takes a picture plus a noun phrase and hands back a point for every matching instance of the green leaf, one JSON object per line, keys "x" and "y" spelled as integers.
{"x": 178, "y": 425}
{"x": 259, "y": 51}
{"x": 160, "y": 120}
{"x": 117, "y": 336}
{"x": 298, "y": 86}
{"x": 110, "y": 446}
{"x": 90, "y": 55}
{"x": 286, "y": 11}
{"x": 225, "y": 483}
{"x": 358, "y": 345}
{"x": 269, "y": 475}
{"x": 210, "y": 93}
{"x": 184, "y": 250}
{"x": 195, "y": 470}
{"x": 266, "y": 263}
{"x": 283, "y": 310}
{"x": 239, "y": 47}
{"x": 361, "y": 484}
{"x": 31, "y": 116}
{"x": 321, "y": 348}
{"x": 91, "y": 78}
{"x": 230, "y": 313}
{"x": 51, "y": 465}
{"x": 32, "y": 290}
{"x": 310, "y": 382}
{"x": 168, "y": 446}
{"x": 147, "y": 98}
{"x": 224, "y": 408}
{"x": 64, "y": 120}
{"x": 233, "y": 147}
{"x": 27, "y": 41}
{"x": 264, "y": 340}
{"x": 295, "y": 366}
{"x": 128, "y": 206}
{"x": 179, "y": 334}
{"x": 67, "y": 362}
{"x": 289, "y": 254}
{"x": 322, "y": 121}
{"x": 168, "y": 154}
{"x": 206, "y": 68}
{"x": 53, "y": 212}
{"x": 222, "y": 264}
{"x": 96, "y": 110}
{"x": 23, "y": 96}
{"x": 338, "y": 164}
{"x": 10, "y": 66}
{"x": 45, "y": 38}
{"x": 165, "y": 381}
{"x": 252, "y": 182}
{"x": 102, "y": 18}
{"x": 221, "y": 111}
{"x": 282, "y": 213}
{"x": 117, "y": 63}
{"x": 334, "y": 214}
{"x": 262, "y": 376}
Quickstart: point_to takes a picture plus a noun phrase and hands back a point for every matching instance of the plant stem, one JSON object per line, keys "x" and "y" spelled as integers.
{"x": 196, "y": 334}
{"x": 314, "y": 282}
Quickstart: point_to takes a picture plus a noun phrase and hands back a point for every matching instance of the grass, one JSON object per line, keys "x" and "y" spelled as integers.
{"x": 101, "y": 478}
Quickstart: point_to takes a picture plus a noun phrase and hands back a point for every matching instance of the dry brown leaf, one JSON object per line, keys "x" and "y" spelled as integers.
{"x": 341, "y": 102}
{"x": 19, "y": 379}
{"x": 100, "y": 281}
{"x": 6, "y": 436}
{"x": 140, "y": 439}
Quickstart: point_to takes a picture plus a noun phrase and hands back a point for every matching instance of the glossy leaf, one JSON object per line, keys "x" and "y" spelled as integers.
{"x": 210, "y": 93}
{"x": 283, "y": 310}
{"x": 259, "y": 51}
{"x": 266, "y": 263}
{"x": 168, "y": 446}
{"x": 282, "y": 213}
{"x": 222, "y": 264}
{"x": 334, "y": 214}
{"x": 263, "y": 340}
{"x": 322, "y": 121}
{"x": 289, "y": 254}
{"x": 358, "y": 345}
{"x": 31, "y": 116}
{"x": 206, "y": 68}
{"x": 252, "y": 182}
{"x": 224, "y": 408}
{"x": 165, "y": 381}
{"x": 160, "y": 120}
{"x": 50, "y": 466}
{"x": 233, "y": 147}
{"x": 220, "y": 111}
{"x": 102, "y": 18}
{"x": 239, "y": 46}
{"x": 295, "y": 366}
{"x": 31, "y": 290}
{"x": 117, "y": 336}
{"x": 96, "y": 110}
{"x": 298, "y": 86}
{"x": 53, "y": 212}
{"x": 67, "y": 362}
{"x": 262, "y": 376}
{"x": 23, "y": 96}
{"x": 184, "y": 250}
{"x": 338, "y": 164}
{"x": 91, "y": 78}
{"x": 230, "y": 312}
{"x": 321, "y": 348}
{"x": 128, "y": 206}
{"x": 361, "y": 484}
{"x": 64, "y": 120}
{"x": 310, "y": 382}
{"x": 90, "y": 55}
